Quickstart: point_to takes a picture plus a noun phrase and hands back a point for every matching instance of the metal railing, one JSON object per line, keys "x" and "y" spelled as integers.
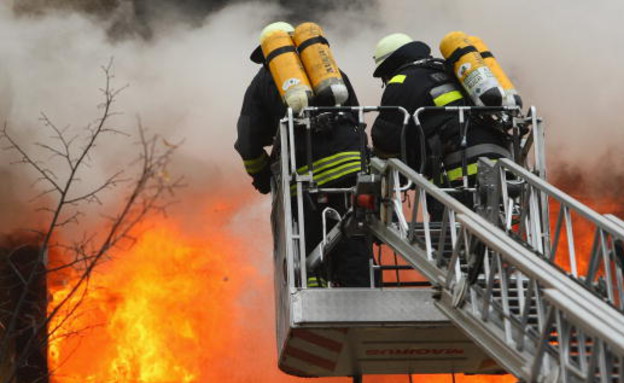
{"x": 296, "y": 259}
{"x": 586, "y": 245}
{"x": 499, "y": 272}
{"x": 511, "y": 302}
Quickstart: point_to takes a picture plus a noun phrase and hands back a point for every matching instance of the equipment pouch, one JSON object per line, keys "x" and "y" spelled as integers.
{"x": 323, "y": 122}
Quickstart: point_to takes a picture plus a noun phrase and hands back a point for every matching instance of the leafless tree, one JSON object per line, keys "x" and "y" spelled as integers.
{"x": 66, "y": 205}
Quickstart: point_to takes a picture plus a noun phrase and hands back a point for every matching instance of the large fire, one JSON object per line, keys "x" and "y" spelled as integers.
{"x": 162, "y": 311}
{"x": 180, "y": 306}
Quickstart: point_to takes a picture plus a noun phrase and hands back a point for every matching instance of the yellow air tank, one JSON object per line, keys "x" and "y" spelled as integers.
{"x": 512, "y": 98}
{"x": 471, "y": 70}
{"x": 319, "y": 63}
{"x": 288, "y": 73}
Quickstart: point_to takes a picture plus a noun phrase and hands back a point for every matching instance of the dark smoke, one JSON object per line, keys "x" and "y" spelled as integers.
{"x": 599, "y": 185}
{"x": 129, "y": 18}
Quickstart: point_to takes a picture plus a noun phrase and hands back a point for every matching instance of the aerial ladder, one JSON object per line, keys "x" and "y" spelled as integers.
{"x": 509, "y": 286}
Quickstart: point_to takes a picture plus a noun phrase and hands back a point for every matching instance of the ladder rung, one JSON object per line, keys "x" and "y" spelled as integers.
{"x": 407, "y": 284}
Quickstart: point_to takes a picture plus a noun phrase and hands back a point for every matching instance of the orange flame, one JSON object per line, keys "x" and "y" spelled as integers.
{"x": 583, "y": 233}
{"x": 147, "y": 315}
{"x": 182, "y": 307}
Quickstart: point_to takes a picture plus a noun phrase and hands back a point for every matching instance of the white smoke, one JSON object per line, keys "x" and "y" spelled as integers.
{"x": 187, "y": 83}
{"x": 562, "y": 56}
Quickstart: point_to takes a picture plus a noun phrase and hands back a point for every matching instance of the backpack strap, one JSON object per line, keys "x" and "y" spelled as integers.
{"x": 429, "y": 62}
{"x": 435, "y": 158}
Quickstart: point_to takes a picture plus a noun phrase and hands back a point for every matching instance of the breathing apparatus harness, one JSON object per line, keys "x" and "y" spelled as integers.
{"x": 435, "y": 158}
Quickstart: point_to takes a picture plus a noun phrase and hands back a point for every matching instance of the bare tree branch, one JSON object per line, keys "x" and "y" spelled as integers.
{"x": 112, "y": 181}
{"x": 147, "y": 190}
{"x": 28, "y": 160}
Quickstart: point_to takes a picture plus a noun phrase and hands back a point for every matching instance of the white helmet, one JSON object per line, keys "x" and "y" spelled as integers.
{"x": 276, "y": 26}
{"x": 386, "y": 46}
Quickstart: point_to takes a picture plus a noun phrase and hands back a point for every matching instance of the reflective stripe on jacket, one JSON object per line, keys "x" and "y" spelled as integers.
{"x": 333, "y": 167}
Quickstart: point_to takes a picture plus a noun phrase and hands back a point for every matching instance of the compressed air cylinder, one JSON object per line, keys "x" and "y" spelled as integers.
{"x": 318, "y": 60}
{"x": 512, "y": 98}
{"x": 287, "y": 70}
{"x": 471, "y": 70}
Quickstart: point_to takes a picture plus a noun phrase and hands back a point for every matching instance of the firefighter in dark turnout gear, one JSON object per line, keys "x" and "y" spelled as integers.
{"x": 413, "y": 79}
{"x": 336, "y": 161}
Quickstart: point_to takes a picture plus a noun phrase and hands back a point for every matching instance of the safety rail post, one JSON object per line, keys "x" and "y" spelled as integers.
{"x": 539, "y": 138}
{"x": 537, "y": 235}
{"x": 286, "y": 167}
{"x": 363, "y": 148}
{"x": 299, "y": 190}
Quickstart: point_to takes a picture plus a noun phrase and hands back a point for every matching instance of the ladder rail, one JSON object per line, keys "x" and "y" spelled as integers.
{"x": 492, "y": 327}
{"x": 598, "y": 267}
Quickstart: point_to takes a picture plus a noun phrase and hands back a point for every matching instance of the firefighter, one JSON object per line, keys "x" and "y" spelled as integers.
{"x": 413, "y": 79}
{"x": 336, "y": 147}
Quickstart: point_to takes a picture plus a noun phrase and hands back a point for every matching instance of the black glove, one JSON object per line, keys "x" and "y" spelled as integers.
{"x": 262, "y": 180}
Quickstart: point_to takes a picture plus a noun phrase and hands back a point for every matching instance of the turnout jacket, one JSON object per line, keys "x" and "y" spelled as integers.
{"x": 335, "y": 151}
{"x": 414, "y": 80}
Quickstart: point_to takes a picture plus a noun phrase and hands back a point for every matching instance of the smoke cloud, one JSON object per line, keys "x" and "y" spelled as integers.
{"x": 187, "y": 81}
{"x": 187, "y": 73}
{"x": 185, "y": 84}
{"x": 561, "y": 56}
